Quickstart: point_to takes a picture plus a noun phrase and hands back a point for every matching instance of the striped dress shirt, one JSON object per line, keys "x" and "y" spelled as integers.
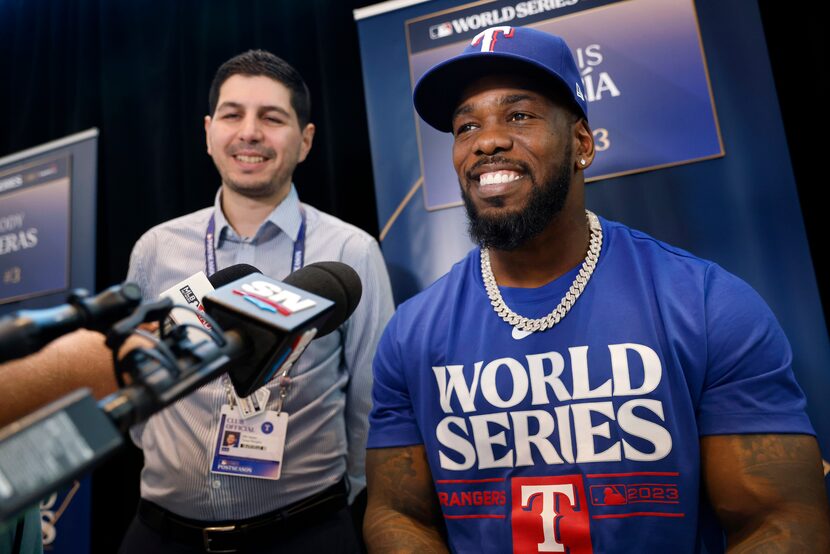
{"x": 329, "y": 398}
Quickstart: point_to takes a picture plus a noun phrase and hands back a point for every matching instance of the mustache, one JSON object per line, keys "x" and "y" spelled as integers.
{"x": 497, "y": 160}
{"x": 262, "y": 151}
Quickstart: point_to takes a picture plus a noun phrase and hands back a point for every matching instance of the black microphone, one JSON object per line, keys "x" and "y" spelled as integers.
{"x": 277, "y": 320}
{"x": 230, "y": 274}
{"x": 333, "y": 280}
{"x": 159, "y": 384}
{"x": 267, "y": 323}
{"x": 27, "y": 331}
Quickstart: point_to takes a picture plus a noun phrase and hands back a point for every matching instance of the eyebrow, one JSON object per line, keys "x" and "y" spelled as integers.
{"x": 514, "y": 98}
{"x": 502, "y": 101}
{"x": 261, "y": 109}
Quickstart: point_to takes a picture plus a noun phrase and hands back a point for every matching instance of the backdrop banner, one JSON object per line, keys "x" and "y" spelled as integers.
{"x": 47, "y": 248}
{"x": 34, "y": 229}
{"x": 718, "y": 183}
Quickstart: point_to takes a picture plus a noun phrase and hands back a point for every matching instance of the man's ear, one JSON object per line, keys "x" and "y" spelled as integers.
{"x": 308, "y": 139}
{"x": 584, "y": 150}
{"x": 207, "y": 133}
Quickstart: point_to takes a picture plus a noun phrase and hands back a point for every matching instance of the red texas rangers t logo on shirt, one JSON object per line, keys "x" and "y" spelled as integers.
{"x": 550, "y": 514}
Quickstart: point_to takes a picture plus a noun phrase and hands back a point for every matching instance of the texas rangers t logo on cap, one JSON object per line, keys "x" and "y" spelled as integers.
{"x": 488, "y": 37}
{"x": 522, "y": 50}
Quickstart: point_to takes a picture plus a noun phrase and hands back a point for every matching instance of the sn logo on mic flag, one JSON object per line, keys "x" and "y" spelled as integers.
{"x": 273, "y": 298}
{"x": 278, "y": 319}
{"x": 278, "y": 304}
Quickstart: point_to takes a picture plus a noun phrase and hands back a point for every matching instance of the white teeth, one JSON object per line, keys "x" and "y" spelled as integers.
{"x": 498, "y": 177}
{"x": 250, "y": 159}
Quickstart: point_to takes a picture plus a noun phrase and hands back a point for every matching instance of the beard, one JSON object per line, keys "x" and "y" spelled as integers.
{"x": 262, "y": 189}
{"x": 511, "y": 230}
{"x": 269, "y": 185}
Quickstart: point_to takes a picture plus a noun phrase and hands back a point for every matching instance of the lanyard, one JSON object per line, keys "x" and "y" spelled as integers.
{"x": 297, "y": 260}
{"x": 297, "y": 256}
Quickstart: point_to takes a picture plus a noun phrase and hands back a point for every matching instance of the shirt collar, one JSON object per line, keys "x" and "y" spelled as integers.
{"x": 286, "y": 217}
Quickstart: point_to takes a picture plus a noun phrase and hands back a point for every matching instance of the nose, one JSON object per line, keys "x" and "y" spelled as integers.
{"x": 250, "y": 130}
{"x": 492, "y": 139}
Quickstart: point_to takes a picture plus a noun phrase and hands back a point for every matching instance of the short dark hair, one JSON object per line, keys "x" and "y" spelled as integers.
{"x": 261, "y": 62}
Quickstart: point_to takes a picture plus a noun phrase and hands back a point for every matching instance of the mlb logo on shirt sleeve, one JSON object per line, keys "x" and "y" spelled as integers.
{"x": 550, "y": 514}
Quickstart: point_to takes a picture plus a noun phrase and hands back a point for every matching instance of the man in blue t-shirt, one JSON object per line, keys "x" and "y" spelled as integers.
{"x": 574, "y": 385}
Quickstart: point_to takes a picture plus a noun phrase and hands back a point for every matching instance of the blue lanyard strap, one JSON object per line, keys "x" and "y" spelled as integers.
{"x": 297, "y": 256}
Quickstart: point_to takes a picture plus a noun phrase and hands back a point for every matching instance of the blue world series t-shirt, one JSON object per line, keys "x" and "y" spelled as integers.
{"x": 585, "y": 437}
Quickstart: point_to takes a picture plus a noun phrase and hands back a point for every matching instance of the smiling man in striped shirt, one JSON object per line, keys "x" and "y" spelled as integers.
{"x": 257, "y": 132}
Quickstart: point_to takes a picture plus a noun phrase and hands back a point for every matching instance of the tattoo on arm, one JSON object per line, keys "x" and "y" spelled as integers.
{"x": 402, "y": 513}
{"x": 768, "y": 491}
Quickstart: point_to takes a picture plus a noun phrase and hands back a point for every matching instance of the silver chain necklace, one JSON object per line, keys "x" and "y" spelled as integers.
{"x": 582, "y": 278}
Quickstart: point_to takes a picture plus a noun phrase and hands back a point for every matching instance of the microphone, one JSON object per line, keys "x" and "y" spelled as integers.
{"x": 186, "y": 361}
{"x": 72, "y": 435}
{"x": 190, "y": 292}
{"x": 230, "y": 274}
{"x": 27, "y": 331}
{"x": 264, "y": 326}
{"x": 277, "y": 320}
{"x": 333, "y": 280}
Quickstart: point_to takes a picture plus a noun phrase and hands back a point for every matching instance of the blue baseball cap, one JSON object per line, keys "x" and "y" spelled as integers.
{"x": 496, "y": 50}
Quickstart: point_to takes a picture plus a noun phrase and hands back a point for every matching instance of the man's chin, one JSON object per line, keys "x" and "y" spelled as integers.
{"x": 492, "y": 211}
{"x": 254, "y": 189}
{"x": 497, "y": 230}
{"x": 508, "y": 228}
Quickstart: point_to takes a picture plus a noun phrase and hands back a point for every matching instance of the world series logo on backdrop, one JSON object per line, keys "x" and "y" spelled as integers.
{"x": 498, "y": 16}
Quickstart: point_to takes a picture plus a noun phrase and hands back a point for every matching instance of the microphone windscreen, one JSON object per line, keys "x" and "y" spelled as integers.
{"x": 230, "y": 274}
{"x": 335, "y": 281}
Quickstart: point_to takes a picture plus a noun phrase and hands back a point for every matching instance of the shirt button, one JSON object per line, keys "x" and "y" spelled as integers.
{"x": 216, "y": 484}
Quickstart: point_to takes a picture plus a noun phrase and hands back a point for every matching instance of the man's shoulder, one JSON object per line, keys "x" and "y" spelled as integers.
{"x": 170, "y": 237}
{"x": 673, "y": 269}
{"x": 193, "y": 223}
{"x": 646, "y": 242}
{"x": 628, "y": 245}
